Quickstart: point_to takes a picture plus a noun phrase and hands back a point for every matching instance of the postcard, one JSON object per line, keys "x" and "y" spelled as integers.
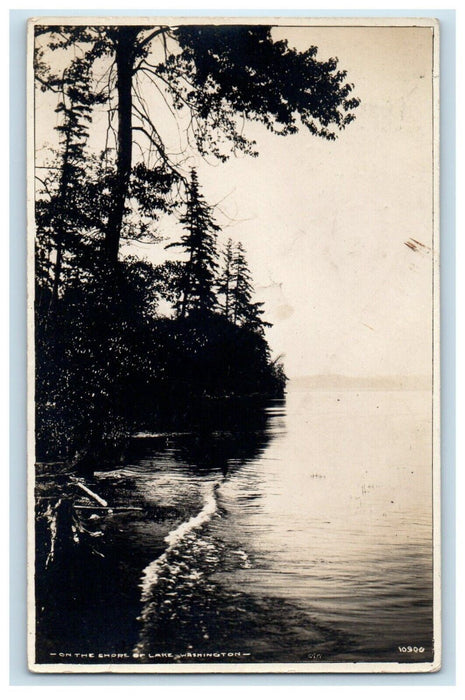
{"x": 233, "y": 350}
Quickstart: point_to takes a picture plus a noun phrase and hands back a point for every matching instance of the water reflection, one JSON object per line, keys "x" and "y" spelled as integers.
{"x": 237, "y": 432}
{"x": 283, "y": 529}
{"x": 93, "y": 598}
{"x": 341, "y": 526}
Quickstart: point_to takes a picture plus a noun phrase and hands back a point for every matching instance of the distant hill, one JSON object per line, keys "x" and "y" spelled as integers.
{"x": 339, "y": 381}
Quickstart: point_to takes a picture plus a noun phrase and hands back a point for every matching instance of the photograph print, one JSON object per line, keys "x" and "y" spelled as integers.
{"x": 233, "y": 369}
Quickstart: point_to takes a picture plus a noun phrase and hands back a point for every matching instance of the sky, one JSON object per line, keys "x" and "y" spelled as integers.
{"x": 325, "y": 223}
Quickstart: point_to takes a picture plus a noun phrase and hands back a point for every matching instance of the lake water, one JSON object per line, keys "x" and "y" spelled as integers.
{"x": 304, "y": 533}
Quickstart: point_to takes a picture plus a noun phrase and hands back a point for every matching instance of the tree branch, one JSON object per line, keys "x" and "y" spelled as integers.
{"x": 149, "y": 68}
{"x": 151, "y": 36}
{"x": 161, "y": 152}
{"x": 47, "y": 85}
{"x": 45, "y": 185}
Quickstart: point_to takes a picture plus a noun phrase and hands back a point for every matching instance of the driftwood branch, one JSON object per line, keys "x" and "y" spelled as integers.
{"x": 107, "y": 508}
{"x": 93, "y": 495}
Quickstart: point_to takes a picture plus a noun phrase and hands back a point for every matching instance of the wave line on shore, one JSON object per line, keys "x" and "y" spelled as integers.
{"x": 151, "y": 572}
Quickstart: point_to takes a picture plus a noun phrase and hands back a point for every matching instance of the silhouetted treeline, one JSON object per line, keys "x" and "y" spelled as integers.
{"x": 109, "y": 363}
{"x": 107, "y": 360}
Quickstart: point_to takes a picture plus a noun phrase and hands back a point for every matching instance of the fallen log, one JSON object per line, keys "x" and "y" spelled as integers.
{"x": 93, "y": 495}
{"x": 112, "y": 508}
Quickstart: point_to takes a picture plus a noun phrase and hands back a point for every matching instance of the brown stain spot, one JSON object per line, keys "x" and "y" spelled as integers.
{"x": 284, "y": 312}
{"x": 417, "y": 246}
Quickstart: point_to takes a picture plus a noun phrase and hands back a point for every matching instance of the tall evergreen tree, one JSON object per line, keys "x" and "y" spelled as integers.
{"x": 242, "y": 286}
{"x": 65, "y": 209}
{"x": 196, "y": 284}
{"x": 225, "y": 279}
{"x": 244, "y": 311}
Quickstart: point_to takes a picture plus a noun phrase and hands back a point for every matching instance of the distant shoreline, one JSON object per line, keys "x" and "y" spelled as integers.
{"x": 340, "y": 382}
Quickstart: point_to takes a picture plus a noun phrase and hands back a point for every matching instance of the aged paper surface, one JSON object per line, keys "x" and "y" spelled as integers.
{"x": 233, "y": 300}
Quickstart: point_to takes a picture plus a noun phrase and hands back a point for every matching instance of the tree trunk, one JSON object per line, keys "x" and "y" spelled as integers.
{"x": 125, "y": 45}
{"x": 59, "y": 223}
{"x": 57, "y": 275}
{"x": 227, "y": 298}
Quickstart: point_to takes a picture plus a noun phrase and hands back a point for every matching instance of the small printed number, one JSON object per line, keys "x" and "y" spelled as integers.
{"x": 411, "y": 650}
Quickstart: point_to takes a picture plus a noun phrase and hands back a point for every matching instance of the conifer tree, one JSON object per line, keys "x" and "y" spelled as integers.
{"x": 225, "y": 280}
{"x": 245, "y": 312}
{"x": 196, "y": 284}
{"x": 242, "y": 286}
{"x": 254, "y": 320}
{"x": 66, "y": 209}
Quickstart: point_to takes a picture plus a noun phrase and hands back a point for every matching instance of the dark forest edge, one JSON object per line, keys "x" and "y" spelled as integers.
{"x": 109, "y": 365}
{"x": 108, "y": 360}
